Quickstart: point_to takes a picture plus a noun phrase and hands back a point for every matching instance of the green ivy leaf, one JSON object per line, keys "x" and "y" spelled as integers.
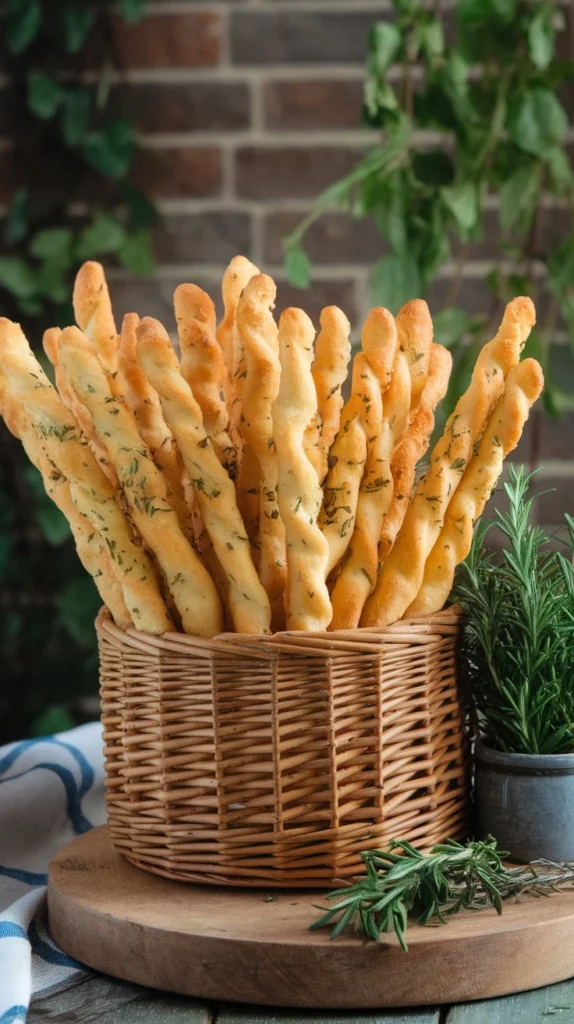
{"x": 136, "y": 253}
{"x": 45, "y": 94}
{"x": 77, "y": 23}
{"x": 393, "y": 281}
{"x": 132, "y": 10}
{"x": 78, "y": 604}
{"x": 17, "y": 276}
{"x": 390, "y": 216}
{"x": 462, "y": 203}
{"x": 541, "y": 38}
{"x": 18, "y": 216}
{"x": 52, "y": 281}
{"x": 23, "y": 23}
{"x": 450, "y": 326}
{"x": 110, "y": 150}
{"x": 433, "y": 167}
{"x": 385, "y": 40}
{"x": 33, "y": 306}
{"x": 142, "y": 213}
{"x": 104, "y": 235}
{"x": 519, "y": 195}
{"x": 53, "y": 244}
{"x": 560, "y": 170}
{"x": 76, "y": 115}
{"x": 297, "y": 266}
{"x": 432, "y": 39}
{"x": 537, "y": 121}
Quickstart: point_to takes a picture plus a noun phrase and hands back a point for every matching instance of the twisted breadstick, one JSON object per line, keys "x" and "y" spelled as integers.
{"x": 89, "y": 544}
{"x": 50, "y": 342}
{"x": 300, "y": 495}
{"x": 415, "y": 331}
{"x": 202, "y": 363}
{"x": 238, "y": 273}
{"x": 145, "y": 405}
{"x": 414, "y": 445}
{"x": 213, "y": 488}
{"x": 93, "y": 313}
{"x": 332, "y": 355}
{"x": 261, "y": 352}
{"x": 402, "y": 573}
{"x": 91, "y": 491}
{"x": 189, "y": 583}
{"x": 502, "y": 433}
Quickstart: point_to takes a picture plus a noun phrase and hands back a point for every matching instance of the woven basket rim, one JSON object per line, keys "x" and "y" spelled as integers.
{"x": 407, "y": 631}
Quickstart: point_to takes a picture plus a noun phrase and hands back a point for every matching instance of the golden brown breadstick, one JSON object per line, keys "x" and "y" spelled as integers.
{"x": 258, "y": 332}
{"x": 188, "y": 582}
{"x": 402, "y": 573}
{"x": 238, "y": 273}
{"x": 502, "y": 433}
{"x": 332, "y": 355}
{"x": 360, "y": 423}
{"x": 89, "y": 544}
{"x": 300, "y": 495}
{"x": 202, "y": 363}
{"x": 50, "y": 342}
{"x": 415, "y": 330}
{"x": 93, "y": 313}
{"x": 414, "y": 445}
{"x": 379, "y": 341}
{"x": 213, "y": 488}
{"x": 145, "y": 405}
{"x": 91, "y": 491}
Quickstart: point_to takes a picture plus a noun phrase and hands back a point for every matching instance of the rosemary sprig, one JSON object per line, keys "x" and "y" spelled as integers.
{"x": 452, "y": 877}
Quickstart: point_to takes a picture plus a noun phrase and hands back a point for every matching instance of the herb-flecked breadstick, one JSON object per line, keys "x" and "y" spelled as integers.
{"x": 258, "y": 332}
{"x": 402, "y": 573}
{"x": 330, "y": 364}
{"x": 238, "y": 273}
{"x": 415, "y": 332}
{"x": 93, "y": 313}
{"x": 213, "y": 487}
{"x": 190, "y": 585}
{"x": 503, "y": 431}
{"x": 202, "y": 363}
{"x": 91, "y": 491}
{"x": 300, "y": 494}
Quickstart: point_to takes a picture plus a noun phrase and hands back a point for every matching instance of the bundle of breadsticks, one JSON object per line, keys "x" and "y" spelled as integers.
{"x": 233, "y": 488}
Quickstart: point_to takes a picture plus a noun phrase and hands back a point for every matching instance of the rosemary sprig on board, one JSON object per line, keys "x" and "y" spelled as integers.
{"x": 452, "y": 877}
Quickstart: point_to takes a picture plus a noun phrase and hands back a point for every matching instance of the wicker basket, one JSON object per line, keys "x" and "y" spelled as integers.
{"x": 275, "y": 761}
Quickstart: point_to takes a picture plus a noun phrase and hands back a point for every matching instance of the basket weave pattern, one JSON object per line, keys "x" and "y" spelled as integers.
{"x": 275, "y": 761}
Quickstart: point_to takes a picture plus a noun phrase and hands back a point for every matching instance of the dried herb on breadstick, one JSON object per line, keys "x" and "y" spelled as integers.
{"x": 415, "y": 330}
{"x": 202, "y": 363}
{"x": 258, "y": 332}
{"x": 502, "y": 433}
{"x": 91, "y": 491}
{"x": 190, "y": 585}
{"x": 238, "y": 273}
{"x": 330, "y": 364}
{"x": 402, "y": 573}
{"x": 213, "y": 488}
{"x": 93, "y": 313}
{"x": 414, "y": 445}
{"x": 300, "y": 494}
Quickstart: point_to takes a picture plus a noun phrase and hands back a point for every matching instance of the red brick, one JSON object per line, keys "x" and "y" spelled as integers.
{"x": 298, "y": 37}
{"x": 321, "y": 293}
{"x": 189, "y": 171}
{"x": 170, "y": 40}
{"x": 335, "y": 238}
{"x": 214, "y": 236}
{"x": 197, "y": 106}
{"x": 290, "y": 172}
{"x": 313, "y": 104}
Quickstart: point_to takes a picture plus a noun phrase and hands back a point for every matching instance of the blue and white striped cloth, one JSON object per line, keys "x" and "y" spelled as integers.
{"x": 51, "y": 789}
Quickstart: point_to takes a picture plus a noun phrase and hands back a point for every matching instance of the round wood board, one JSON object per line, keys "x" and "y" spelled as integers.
{"x": 254, "y": 946}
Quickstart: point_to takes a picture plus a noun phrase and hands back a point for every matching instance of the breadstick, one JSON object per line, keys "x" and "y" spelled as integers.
{"x": 502, "y": 433}
{"x": 89, "y": 544}
{"x": 332, "y": 355}
{"x": 91, "y": 491}
{"x": 202, "y": 363}
{"x": 359, "y": 574}
{"x": 414, "y": 445}
{"x": 258, "y": 332}
{"x": 188, "y": 582}
{"x": 238, "y": 273}
{"x": 300, "y": 495}
{"x": 415, "y": 330}
{"x": 402, "y": 573}
{"x": 50, "y": 342}
{"x": 93, "y": 313}
{"x": 379, "y": 341}
{"x": 213, "y": 488}
{"x": 145, "y": 405}
{"x": 360, "y": 422}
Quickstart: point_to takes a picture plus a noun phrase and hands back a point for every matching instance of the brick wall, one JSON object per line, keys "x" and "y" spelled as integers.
{"x": 246, "y": 109}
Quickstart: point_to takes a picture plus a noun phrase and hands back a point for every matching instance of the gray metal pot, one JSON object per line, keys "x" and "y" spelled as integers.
{"x": 526, "y": 801}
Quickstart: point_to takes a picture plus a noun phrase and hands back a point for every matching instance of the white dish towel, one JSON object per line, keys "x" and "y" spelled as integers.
{"x": 51, "y": 789}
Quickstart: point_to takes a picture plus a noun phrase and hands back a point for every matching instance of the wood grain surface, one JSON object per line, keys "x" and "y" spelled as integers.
{"x": 244, "y": 947}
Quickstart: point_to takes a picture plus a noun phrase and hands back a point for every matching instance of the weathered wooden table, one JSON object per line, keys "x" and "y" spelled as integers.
{"x": 105, "y": 1001}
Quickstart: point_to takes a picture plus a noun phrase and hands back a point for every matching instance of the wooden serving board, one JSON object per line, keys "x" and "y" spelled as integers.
{"x": 254, "y": 946}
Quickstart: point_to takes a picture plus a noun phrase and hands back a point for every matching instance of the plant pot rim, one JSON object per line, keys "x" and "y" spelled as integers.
{"x": 524, "y": 764}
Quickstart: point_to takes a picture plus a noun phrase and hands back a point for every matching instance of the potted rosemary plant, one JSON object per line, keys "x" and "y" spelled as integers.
{"x": 519, "y": 651}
